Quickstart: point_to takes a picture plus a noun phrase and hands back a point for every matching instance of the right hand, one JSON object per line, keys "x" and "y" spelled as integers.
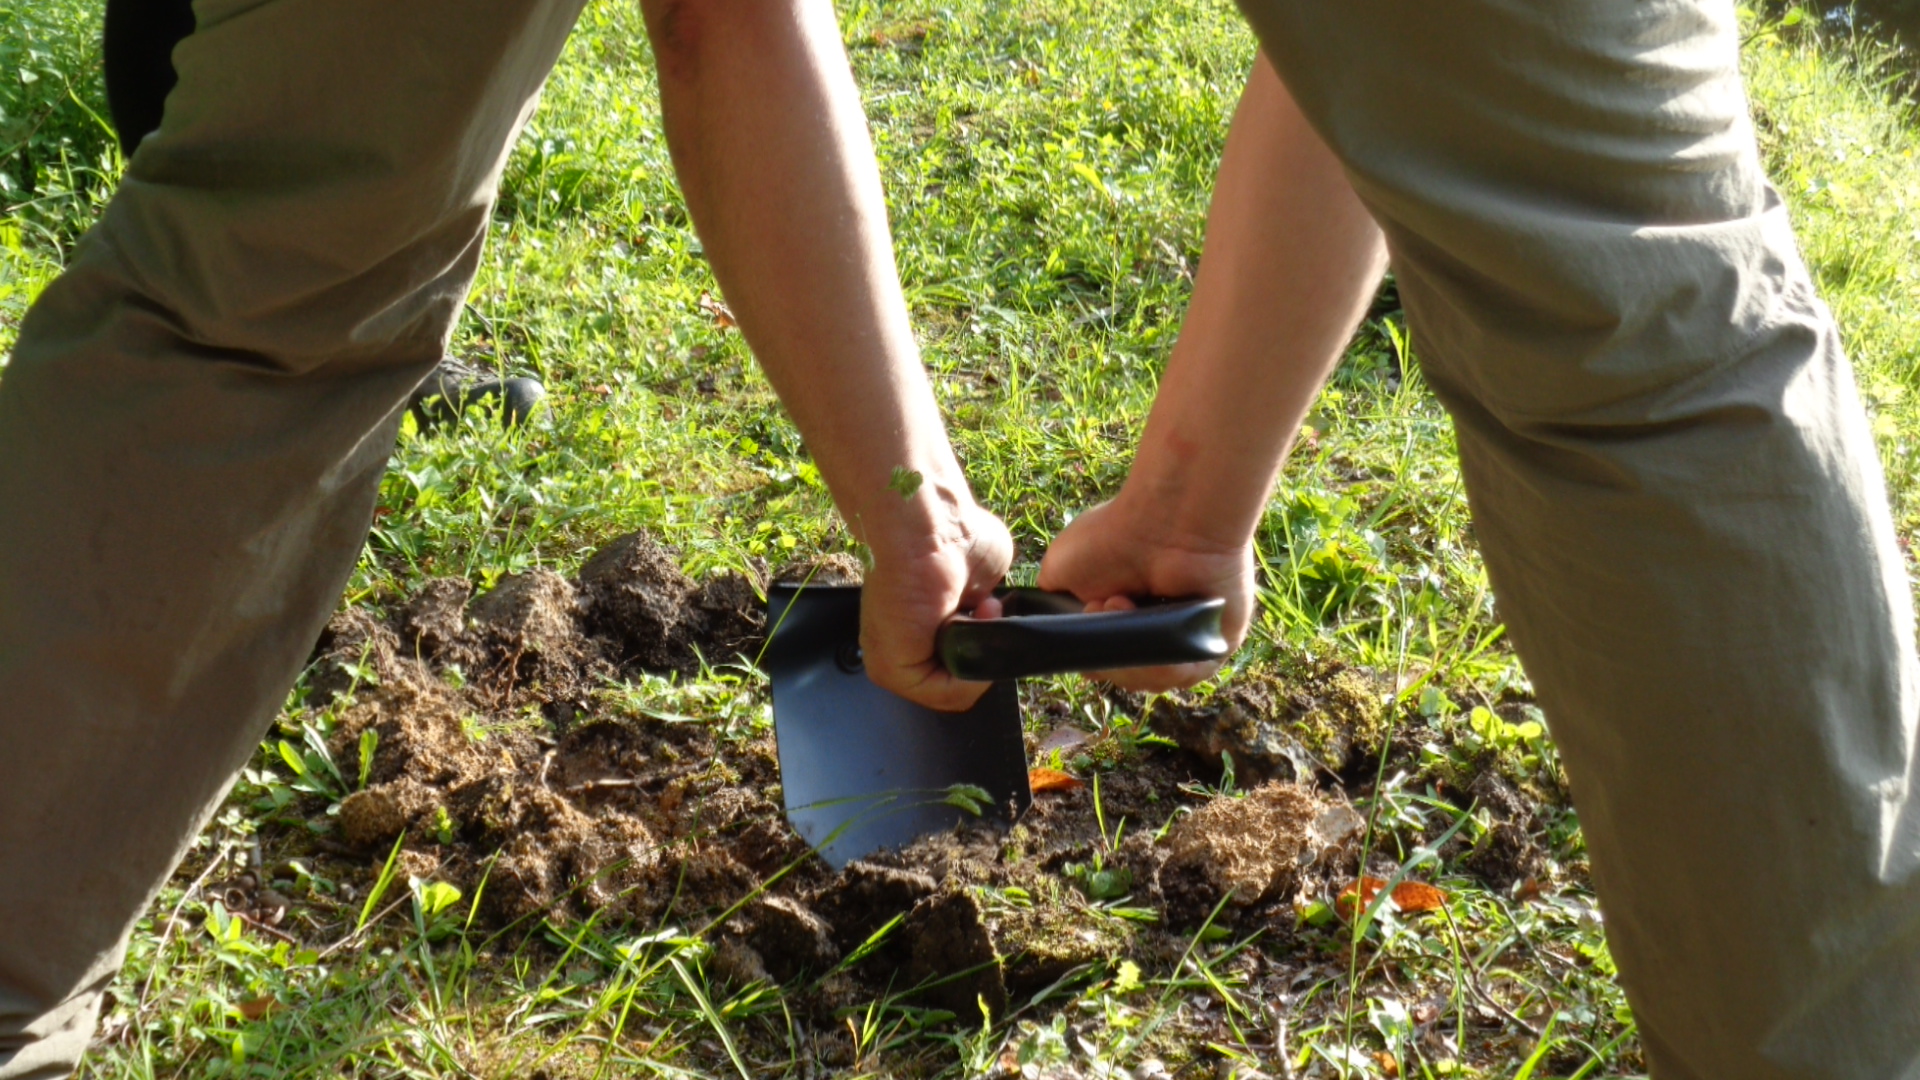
{"x": 918, "y": 581}
{"x": 1118, "y": 550}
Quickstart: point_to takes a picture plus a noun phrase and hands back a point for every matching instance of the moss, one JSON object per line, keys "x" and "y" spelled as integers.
{"x": 1056, "y": 934}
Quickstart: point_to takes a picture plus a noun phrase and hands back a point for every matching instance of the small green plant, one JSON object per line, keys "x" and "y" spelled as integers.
{"x": 369, "y": 742}
{"x": 434, "y": 913}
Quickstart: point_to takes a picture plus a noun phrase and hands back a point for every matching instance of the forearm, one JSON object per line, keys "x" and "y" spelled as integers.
{"x": 1291, "y": 261}
{"x": 772, "y": 151}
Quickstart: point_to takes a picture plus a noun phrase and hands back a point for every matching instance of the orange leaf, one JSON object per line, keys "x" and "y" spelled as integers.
{"x": 1051, "y": 780}
{"x": 258, "y": 1007}
{"x": 1357, "y": 896}
{"x": 1411, "y": 897}
{"x": 1388, "y": 1067}
{"x": 1414, "y": 897}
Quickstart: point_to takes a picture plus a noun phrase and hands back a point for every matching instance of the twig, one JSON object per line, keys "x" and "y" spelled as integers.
{"x": 265, "y": 929}
{"x": 343, "y": 942}
{"x": 173, "y": 920}
{"x": 1473, "y": 976}
{"x": 611, "y": 782}
{"x": 1280, "y": 1055}
{"x": 1473, "y": 983}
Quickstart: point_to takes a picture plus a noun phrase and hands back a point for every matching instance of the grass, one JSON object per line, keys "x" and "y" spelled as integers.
{"x": 1047, "y": 168}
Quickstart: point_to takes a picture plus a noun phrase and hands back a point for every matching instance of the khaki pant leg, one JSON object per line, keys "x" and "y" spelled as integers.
{"x": 192, "y": 429}
{"x": 1676, "y": 492}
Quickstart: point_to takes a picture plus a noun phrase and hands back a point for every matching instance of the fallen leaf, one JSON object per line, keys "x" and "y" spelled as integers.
{"x": 1414, "y": 897}
{"x": 1064, "y": 737}
{"x": 256, "y": 1008}
{"x": 1052, "y": 780}
{"x": 721, "y": 314}
{"x": 1411, "y": 897}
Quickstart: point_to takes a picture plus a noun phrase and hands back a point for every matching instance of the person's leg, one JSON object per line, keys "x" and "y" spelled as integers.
{"x": 1676, "y": 492}
{"x": 193, "y": 426}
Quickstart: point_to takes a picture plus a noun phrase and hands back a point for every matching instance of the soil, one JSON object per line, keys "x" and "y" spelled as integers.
{"x": 1321, "y": 723}
{"x": 500, "y": 759}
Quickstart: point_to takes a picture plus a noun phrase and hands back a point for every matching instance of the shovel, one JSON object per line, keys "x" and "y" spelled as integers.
{"x": 863, "y": 769}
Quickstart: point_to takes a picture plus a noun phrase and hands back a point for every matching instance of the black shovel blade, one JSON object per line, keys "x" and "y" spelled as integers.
{"x": 863, "y": 769}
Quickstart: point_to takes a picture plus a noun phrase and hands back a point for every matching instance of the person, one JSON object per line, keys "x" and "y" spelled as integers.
{"x": 1670, "y": 472}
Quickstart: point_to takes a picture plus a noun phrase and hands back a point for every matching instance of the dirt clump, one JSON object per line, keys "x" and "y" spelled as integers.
{"x": 433, "y": 623}
{"x": 384, "y": 811}
{"x": 1244, "y": 850}
{"x": 530, "y": 640}
{"x": 736, "y": 964}
{"x": 1275, "y": 730}
{"x": 537, "y": 612}
{"x": 636, "y": 598}
{"x": 353, "y": 645}
{"x": 1238, "y": 723}
{"x": 790, "y": 937}
{"x": 838, "y": 568}
{"x": 1507, "y": 852}
{"x": 953, "y": 956}
{"x": 655, "y": 617}
{"x": 729, "y": 619}
{"x": 866, "y": 896}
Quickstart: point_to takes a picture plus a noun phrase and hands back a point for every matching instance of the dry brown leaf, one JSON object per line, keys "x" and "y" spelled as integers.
{"x": 1052, "y": 780}
{"x": 721, "y": 313}
{"x": 255, "y": 1008}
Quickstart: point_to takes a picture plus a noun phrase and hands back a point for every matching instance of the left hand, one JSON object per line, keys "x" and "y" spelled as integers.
{"x": 1119, "y": 550}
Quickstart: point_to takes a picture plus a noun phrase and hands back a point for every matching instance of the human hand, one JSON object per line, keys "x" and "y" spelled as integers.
{"x": 919, "y": 581}
{"x": 1116, "y": 551}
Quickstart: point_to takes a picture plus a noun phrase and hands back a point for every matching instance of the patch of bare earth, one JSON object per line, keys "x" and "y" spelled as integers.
{"x": 500, "y": 760}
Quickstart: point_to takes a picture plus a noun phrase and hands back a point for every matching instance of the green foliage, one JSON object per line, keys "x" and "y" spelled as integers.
{"x": 58, "y": 159}
{"x": 1047, "y": 169}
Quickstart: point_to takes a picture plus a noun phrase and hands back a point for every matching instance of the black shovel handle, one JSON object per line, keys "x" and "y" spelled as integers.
{"x": 1045, "y": 633}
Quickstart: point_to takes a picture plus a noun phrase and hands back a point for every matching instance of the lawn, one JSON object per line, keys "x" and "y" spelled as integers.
{"x": 1047, "y": 169}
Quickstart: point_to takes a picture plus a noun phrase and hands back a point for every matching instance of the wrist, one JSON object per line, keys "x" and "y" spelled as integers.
{"x": 912, "y": 512}
{"x": 1184, "y": 497}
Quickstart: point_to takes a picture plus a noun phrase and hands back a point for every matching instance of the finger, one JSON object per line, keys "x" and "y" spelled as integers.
{"x": 930, "y": 686}
{"x": 990, "y": 607}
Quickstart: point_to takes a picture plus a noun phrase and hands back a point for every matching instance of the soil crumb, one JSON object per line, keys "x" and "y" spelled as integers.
{"x": 835, "y": 569}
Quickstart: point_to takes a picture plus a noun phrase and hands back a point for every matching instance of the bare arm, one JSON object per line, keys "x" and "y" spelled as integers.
{"x": 1292, "y": 258}
{"x": 773, "y": 155}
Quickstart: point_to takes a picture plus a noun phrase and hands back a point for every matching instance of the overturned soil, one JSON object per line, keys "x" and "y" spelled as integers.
{"x": 503, "y": 762}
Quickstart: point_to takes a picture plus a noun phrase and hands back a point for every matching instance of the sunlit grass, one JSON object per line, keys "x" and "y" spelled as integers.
{"x": 1047, "y": 169}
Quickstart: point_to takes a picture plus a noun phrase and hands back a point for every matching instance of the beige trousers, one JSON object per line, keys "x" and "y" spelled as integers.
{"x": 1670, "y": 472}
{"x": 1676, "y": 493}
{"x": 193, "y": 427}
